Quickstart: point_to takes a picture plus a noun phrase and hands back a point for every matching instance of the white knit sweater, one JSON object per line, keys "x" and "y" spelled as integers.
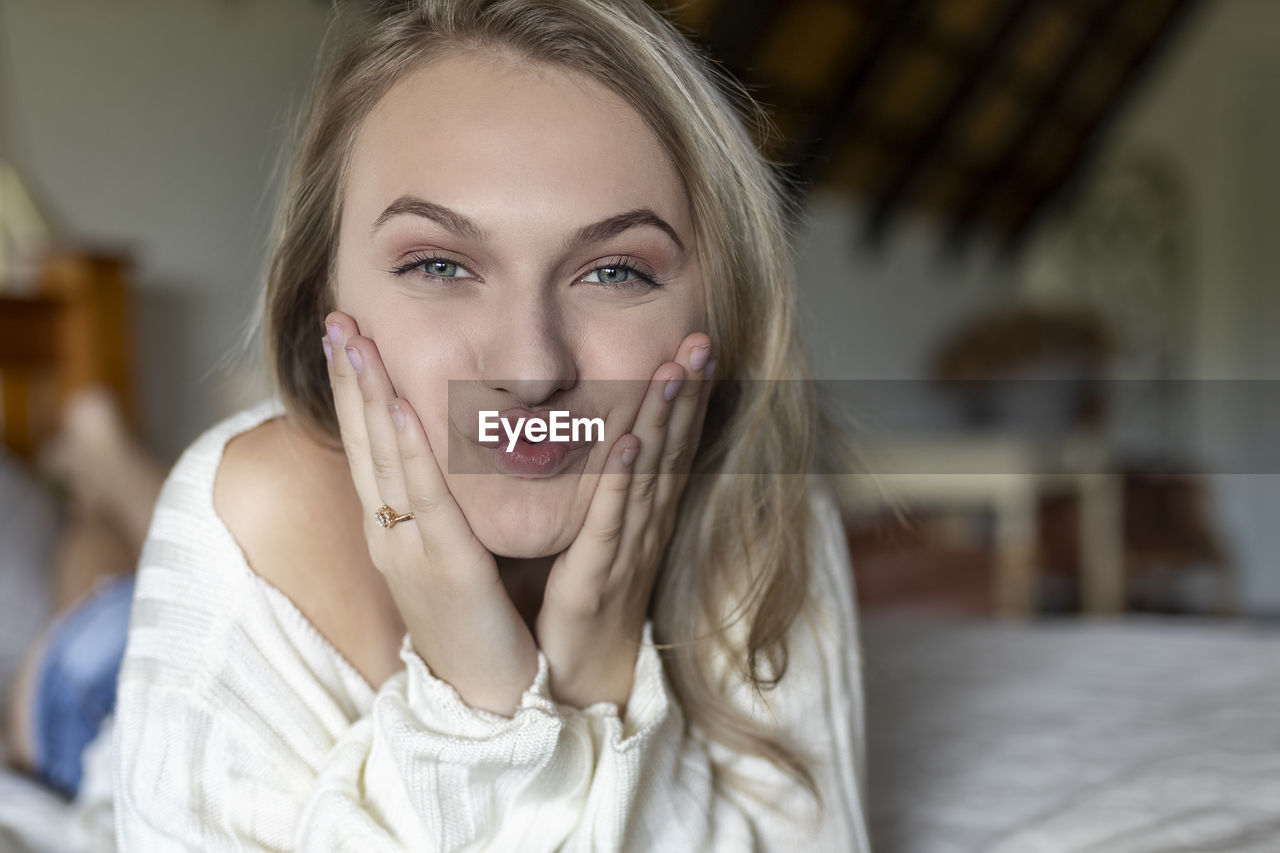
{"x": 239, "y": 727}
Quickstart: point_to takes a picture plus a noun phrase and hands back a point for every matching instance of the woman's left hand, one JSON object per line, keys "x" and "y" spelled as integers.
{"x": 597, "y": 594}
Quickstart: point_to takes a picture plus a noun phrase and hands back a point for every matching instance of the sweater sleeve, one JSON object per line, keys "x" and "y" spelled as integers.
{"x": 210, "y": 764}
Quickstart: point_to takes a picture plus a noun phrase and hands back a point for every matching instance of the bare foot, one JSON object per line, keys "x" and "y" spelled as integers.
{"x": 106, "y": 470}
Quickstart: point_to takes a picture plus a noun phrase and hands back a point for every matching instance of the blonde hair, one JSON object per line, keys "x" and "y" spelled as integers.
{"x": 738, "y": 556}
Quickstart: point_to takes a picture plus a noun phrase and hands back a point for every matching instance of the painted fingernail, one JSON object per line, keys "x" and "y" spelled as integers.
{"x": 397, "y": 416}
{"x": 328, "y": 350}
{"x": 673, "y": 385}
{"x": 335, "y": 333}
{"x": 699, "y": 356}
{"x": 711, "y": 369}
{"x": 628, "y": 455}
{"x": 353, "y": 355}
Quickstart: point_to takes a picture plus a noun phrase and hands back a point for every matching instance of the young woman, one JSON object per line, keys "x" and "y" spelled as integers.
{"x": 360, "y": 626}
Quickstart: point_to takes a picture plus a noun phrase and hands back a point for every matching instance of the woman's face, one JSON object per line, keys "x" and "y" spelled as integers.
{"x": 466, "y": 252}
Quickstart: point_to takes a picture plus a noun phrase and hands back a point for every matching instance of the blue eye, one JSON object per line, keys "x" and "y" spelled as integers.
{"x": 433, "y": 267}
{"x": 621, "y": 274}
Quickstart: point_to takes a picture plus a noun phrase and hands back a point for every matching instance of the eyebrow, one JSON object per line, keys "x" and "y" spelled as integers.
{"x": 467, "y": 228}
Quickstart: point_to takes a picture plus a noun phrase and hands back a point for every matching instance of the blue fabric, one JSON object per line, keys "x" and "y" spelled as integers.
{"x": 76, "y": 681}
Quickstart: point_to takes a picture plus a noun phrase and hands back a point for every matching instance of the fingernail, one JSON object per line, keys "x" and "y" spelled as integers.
{"x": 353, "y": 356}
{"x": 397, "y": 416}
{"x": 335, "y": 333}
{"x": 673, "y": 385}
{"x": 328, "y": 350}
{"x": 711, "y": 369}
{"x": 628, "y": 456}
{"x": 699, "y": 356}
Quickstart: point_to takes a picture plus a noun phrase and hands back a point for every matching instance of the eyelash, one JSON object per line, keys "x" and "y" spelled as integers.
{"x": 619, "y": 263}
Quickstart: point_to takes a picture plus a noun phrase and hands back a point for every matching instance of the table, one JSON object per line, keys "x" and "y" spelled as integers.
{"x": 1006, "y": 475}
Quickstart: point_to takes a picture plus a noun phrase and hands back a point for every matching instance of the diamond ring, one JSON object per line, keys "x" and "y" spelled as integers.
{"x": 388, "y": 517}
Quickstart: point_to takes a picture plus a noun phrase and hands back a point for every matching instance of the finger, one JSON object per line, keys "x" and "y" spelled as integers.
{"x": 684, "y": 429}
{"x": 677, "y": 452}
{"x": 376, "y": 393}
{"x": 651, "y": 429}
{"x": 447, "y": 538}
{"x": 348, "y": 403}
{"x": 587, "y": 563}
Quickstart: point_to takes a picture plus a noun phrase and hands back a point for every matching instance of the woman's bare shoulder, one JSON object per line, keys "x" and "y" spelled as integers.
{"x": 290, "y": 504}
{"x": 279, "y": 492}
{"x": 258, "y": 469}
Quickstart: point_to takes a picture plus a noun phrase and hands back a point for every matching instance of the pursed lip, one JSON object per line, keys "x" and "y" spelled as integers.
{"x": 513, "y": 415}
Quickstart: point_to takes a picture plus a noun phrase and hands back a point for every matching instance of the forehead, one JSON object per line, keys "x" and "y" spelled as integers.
{"x": 493, "y": 136}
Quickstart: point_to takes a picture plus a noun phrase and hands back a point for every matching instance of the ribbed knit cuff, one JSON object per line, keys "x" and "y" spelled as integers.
{"x": 649, "y": 705}
{"x": 439, "y": 706}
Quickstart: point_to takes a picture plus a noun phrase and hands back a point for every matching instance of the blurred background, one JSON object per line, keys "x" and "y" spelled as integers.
{"x": 1037, "y": 261}
{"x": 1074, "y": 199}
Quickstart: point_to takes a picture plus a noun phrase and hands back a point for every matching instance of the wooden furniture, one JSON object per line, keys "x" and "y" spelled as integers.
{"x": 1007, "y": 476}
{"x": 73, "y": 331}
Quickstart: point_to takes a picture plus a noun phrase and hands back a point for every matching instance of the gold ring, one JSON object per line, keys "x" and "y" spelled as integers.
{"x": 388, "y": 517}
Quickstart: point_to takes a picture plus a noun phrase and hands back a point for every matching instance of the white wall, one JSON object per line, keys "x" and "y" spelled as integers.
{"x": 876, "y": 314}
{"x": 1213, "y": 108}
{"x": 154, "y": 125}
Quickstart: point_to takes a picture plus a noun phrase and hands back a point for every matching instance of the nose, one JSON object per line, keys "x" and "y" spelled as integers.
{"x": 528, "y": 349}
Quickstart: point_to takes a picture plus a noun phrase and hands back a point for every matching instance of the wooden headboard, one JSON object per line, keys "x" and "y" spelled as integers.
{"x": 73, "y": 331}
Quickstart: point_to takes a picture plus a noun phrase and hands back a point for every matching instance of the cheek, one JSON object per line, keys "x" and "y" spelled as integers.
{"x": 621, "y": 350}
{"x": 420, "y": 358}
{"x": 626, "y": 357}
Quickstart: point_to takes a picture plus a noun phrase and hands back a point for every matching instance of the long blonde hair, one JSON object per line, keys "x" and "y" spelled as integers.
{"x": 738, "y": 556}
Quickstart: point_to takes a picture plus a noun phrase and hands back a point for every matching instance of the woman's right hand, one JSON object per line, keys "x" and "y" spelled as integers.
{"x": 444, "y": 581}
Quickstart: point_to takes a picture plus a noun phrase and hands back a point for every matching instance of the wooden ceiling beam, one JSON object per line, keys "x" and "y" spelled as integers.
{"x": 842, "y": 116}
{"x": 997, "y": 42}
{"x": 1048, "y": 117}
{"x": 1010, "y": 158}
{"x": 1085, "y": 149}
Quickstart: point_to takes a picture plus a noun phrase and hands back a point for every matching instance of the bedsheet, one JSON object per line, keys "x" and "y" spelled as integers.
{"x": 34, "y": 819}
{"x": 1129, "y": 735}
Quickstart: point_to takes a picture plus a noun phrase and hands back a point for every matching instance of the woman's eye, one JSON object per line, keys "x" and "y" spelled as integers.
{"x": 611, "y": 275}
{"x": 444, "y": 269}
{"x": 435, "y": 267}
{"x": 620, "y": 275}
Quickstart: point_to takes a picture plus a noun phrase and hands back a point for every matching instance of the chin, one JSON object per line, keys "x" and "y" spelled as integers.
{"x": 515, "y": 524}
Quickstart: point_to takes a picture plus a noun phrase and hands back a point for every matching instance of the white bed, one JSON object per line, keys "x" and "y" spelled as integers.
{"x": 1147, "y": 734}
{"x": 35, "y": 820}
{"x": 1151, "y": 734}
